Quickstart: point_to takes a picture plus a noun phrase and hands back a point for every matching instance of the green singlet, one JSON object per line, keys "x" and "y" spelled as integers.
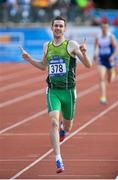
{"x": 61, "y": 94}
{"x": 61, "y": 67}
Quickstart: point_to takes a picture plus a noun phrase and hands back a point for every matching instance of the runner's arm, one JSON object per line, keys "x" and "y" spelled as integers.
{"x": 80, "y": 52}
{"x": 95, "y": 51}
{"x": 115, "y": 45}
{"x": 41, "y": 65}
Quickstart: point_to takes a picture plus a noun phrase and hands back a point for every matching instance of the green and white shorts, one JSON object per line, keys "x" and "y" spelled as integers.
{"x": 63, "y": 100}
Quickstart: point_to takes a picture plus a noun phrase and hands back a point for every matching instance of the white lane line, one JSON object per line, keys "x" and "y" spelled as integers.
{"x": 17, "y": 160}
{"x": 23, "y": 97}
{"x": 25, "y": 134}
{"x": 114, "y": 105}
{"x": 21, "y": 83}
{"x": 87, "y": 91}
{"x": 95, "y": 118}
{"x": 32, "y": 164}
{"x": 49, "y": 160}
{"x": 98, "y": 134}
{"x": 36, "y": 79}
{"x": 11, "y": 67}
{"x": 81, "y": 94}
{"x": 47, "y": 134}
{"x": 80, "y": 176}
{"x": 86, "y": 75}
{"x": 84, "y": 160}
{"x": 24, "y": 121}
{"x": 41, "y": 91}
{"x": 16, "y": 74}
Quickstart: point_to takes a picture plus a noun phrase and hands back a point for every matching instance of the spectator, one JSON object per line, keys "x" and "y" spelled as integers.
{"x": 3, "y": 11}
{"x": 25, "y": 10}
{"x": 115, "y": 21}
{"x": 40, "y": 10}
{"x": 13, "y": 9}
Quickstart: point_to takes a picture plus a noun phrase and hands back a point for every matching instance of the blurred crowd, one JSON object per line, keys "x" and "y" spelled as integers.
{"x": 30, "y": 11}
{"x": 43, "y": 10}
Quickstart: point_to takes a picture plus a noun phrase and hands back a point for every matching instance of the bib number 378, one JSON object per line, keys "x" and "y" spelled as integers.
{"x": 57, "y": 69}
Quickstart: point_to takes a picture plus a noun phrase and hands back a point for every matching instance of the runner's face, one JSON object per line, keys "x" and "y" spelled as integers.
{"x": 104, "y": 28}
{"x": 58, "y": 28}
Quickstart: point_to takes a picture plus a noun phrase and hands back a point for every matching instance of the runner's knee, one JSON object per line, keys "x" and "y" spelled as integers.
{"x": 55, "y": 123}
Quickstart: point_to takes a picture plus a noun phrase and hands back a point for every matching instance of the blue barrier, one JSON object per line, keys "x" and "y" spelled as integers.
{"x": 32, "y": 40}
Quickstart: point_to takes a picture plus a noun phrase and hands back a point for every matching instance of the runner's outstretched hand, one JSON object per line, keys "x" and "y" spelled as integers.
{"x": 83, "y": 47}
{"x": 25, "y": 55}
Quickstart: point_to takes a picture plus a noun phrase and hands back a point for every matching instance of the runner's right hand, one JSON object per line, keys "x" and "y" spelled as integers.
{"x": 25, "y": 55}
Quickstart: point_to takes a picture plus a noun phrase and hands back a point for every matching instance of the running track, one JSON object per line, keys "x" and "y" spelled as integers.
{"x": 89, "y": 152}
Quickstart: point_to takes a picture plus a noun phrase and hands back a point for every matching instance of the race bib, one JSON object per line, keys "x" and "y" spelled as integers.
{"x": 105, "y": 50}
{"x": 57, "y": 68}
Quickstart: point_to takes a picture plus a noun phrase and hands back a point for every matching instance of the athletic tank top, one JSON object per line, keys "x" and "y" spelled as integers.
{"x": 61, "y": 66}
{"x": 105, "y": 46}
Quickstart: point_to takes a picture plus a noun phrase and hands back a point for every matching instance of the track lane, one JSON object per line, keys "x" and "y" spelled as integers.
{"x": 34, "y": 127}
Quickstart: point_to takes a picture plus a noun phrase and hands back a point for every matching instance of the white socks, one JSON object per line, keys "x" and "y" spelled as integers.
{"x": 58, "y": 157}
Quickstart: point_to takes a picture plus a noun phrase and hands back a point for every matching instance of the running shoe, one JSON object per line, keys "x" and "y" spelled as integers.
{"x": 59, "y": 166}
{"x": 103, "y": 100}
{"x": 62, "y": 135}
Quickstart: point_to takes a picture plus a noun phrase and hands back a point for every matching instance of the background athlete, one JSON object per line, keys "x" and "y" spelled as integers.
{"x": 105, "y": 50}
{"x": 59, "y": 56}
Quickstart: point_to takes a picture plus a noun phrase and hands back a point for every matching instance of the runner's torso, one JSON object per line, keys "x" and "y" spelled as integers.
{"x": 61, "y": 66}
{"x": 105, "y": 46}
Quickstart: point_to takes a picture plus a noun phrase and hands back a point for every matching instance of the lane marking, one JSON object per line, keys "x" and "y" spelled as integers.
{"x": 36, "y": 79}
{"x": 79, "y": 95}
{"x": 92, "y": 120}
{"x": 16, "y": 74}
{"x": 98, "y": 134}
{"x": 73, "y": 175}
{"x": 50, "y": 160}
{"x": 22, "y": 98}
{"x": 25, "y": 134}
{"x": 11, "y": 67}
{"x": 86, "y": 75}
{"x": 24, "y": 121}
{"x": 47, "y": 134}
{"x": 21, "y": 83}
{"x": 35, "y": 93}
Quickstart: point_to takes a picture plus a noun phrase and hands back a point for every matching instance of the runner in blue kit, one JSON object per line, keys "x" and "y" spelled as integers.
{"x": 105, "y": 50}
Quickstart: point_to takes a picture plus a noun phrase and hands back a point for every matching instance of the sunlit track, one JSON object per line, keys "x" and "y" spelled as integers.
{"x": 15, "y": 75}
{"x": 67, "y": 160}
{"x": 47, "y": 134}
{"x": 23, "y": 121}
{"x": 86, "y": 75}
{"x": 33, "y": 93}
{"x": 22, "y": 83}
{"x": 79, "y": 95}
{"x": 38, "y": 78}
{"x": 89, "y": 151}
{"x": 25, "y": 134}
{"x": 6, "y": 70}
{"x": 22, "y": 98}
{"x": 114, "y": 105}
{"x": 12, "y": 66}
{"x": 79, "y": 177}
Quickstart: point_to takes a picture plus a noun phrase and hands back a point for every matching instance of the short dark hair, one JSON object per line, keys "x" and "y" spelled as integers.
{"x": 59, "y": 18}
{"x": 104, "y": 24}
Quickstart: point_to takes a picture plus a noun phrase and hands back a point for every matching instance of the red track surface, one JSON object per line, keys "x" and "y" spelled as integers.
{"x": 91, "y": 150}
